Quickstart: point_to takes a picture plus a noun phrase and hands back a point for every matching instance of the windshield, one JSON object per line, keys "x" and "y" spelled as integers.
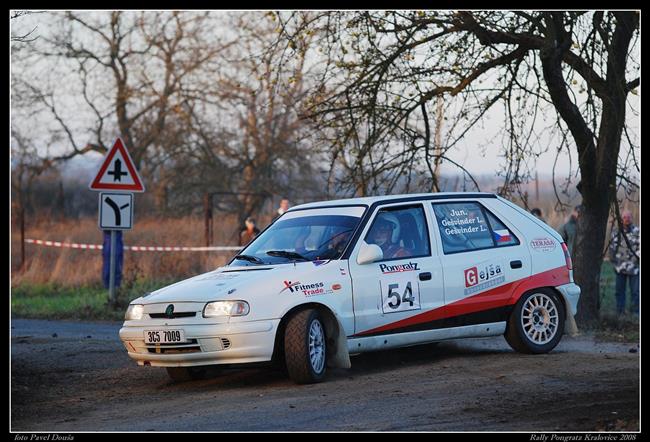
{"x": 306, "y": 235}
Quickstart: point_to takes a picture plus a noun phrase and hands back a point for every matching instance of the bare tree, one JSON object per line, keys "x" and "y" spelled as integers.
{"x": 556, "y": 75}
{"x": 199, "y": 110}
{"x": 247, "y": 117}
{"x": 22, "y": 36}
{"x": 131, "y": 71}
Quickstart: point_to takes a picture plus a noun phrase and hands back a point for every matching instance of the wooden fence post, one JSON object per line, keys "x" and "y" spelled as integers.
{"x": 207, "y": 206}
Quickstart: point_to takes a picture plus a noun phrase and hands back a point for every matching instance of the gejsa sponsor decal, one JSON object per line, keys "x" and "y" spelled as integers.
{"x": 483, "y": 277}
{"x": 542, "y": 244}
{"x": 307, "y": 289}
{"x": 397, "y": 268}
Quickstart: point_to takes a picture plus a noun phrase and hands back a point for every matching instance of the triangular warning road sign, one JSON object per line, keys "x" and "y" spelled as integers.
{"x": 117, "y": 171}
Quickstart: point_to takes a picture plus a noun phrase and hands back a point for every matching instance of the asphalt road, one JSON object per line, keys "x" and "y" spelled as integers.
{"x": 76, "y": 376}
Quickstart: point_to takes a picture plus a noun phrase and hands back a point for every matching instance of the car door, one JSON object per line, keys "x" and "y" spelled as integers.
{"x": 406, "y": 281}
{"x": 484, "y": 257}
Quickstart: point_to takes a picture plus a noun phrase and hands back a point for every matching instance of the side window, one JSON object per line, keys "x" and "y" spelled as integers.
{"x": 502, "y": 235}
{"x": 468, "y": 226}
{"x": 401, "y": 232}
{"x": 463, "y": 227}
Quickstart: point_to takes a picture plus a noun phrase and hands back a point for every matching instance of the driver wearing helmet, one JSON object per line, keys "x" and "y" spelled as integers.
{"x": 301, "y": 238}
{"x": 384, "y": 234}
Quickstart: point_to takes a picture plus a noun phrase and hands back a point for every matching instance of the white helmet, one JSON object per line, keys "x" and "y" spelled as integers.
{"x": 392, "y": 219}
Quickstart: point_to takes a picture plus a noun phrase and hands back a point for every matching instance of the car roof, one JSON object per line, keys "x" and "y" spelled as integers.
{"x": 370, "y": 200}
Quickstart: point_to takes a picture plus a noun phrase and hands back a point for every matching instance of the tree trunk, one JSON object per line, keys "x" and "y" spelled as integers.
{"x": 598, "y": 189}
{"x": 598, "y": 157}
{"x": 253, "y": 187}
{"x": 588, "y": 259}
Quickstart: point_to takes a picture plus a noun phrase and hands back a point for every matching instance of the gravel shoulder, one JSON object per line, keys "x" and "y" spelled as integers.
{"x": 76, "y": 376}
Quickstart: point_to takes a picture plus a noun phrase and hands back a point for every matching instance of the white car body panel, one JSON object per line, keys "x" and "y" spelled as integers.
{"x": 354, "y": 294}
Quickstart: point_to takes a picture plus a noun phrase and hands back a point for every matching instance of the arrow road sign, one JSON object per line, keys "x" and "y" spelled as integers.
{"x": 117, "y": 172}
{"x": 115, "y": 211}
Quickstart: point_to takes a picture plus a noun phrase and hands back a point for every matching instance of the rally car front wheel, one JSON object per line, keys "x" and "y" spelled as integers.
{"x": 304, "y": 347}
{"x": 536, "y": 323}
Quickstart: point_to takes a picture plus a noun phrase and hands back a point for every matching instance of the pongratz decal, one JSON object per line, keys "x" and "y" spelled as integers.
{"x": 543, "y": 244}
{"x": 483, "y": 277}
{"x": 397, "y": 268}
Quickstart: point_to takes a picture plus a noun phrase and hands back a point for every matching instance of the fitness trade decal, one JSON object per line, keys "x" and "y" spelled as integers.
{"x": 398, "y": 268}
{"x": 307, "y": 289}
{"x": 483, "y": 277}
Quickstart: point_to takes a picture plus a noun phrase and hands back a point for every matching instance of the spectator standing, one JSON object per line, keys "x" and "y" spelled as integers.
{"x": 249, "y": 232}
{"x": 106, "y": 255}
{"x": 569, "y": 230}
{"x": 624, "y": 255}
{"x": 284, "y": 206}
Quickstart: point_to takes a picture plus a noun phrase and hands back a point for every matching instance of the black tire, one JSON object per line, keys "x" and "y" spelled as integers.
{"x": 301, "y": 367}
{"x": 184, "y": 374}
{"x": 539, "y": 331}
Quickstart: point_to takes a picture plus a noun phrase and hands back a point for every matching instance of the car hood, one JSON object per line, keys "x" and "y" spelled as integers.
{"x": 250, "y": 282}
{"x": 220, "y": 283}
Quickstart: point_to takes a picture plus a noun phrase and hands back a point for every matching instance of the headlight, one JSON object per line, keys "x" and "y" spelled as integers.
{"x": 226, "y": 308}
{"x": 134, "y": 312}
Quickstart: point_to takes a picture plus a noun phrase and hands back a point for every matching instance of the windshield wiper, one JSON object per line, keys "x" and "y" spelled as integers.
{"x": 288, "y": 255}
{"x": 250, "y": 258}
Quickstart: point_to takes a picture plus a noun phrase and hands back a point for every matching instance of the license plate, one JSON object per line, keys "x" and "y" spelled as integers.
{"x": 164, "y": 336}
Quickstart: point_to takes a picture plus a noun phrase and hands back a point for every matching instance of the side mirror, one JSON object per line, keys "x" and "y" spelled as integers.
{"x": 369, "y": 253}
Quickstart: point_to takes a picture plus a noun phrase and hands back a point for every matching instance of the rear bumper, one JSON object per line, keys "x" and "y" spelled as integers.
{"x": 238, "y": 343}
{"x": 571, "y": 294}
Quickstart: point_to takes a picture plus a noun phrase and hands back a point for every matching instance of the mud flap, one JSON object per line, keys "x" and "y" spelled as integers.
{"x": 340, "y": 358}
{"x": 570, "y": 326}
{"x": 570, "y": 295}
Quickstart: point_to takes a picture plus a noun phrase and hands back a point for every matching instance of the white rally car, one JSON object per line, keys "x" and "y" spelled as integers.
{"x": 331, "y": 279}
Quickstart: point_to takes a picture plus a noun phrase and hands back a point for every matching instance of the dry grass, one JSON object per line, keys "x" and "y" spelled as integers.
{"x": 75, "y": 267}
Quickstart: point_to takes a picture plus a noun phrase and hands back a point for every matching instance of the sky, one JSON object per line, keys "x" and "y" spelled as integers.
{"x": 477, "y": 156}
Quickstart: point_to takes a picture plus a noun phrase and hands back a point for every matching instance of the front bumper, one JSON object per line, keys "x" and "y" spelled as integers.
{"x": 227, "y": 343}
{"x": 571, "y": 294}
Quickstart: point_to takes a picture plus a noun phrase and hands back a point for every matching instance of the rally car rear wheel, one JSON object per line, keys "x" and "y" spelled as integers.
{"x": 183, "y": 374}
{"x": 305, "y": 348}
{"x": 537, "y": 322}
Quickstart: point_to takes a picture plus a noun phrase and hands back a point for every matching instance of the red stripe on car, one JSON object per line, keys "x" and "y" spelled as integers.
{"x": 501, "y": 296}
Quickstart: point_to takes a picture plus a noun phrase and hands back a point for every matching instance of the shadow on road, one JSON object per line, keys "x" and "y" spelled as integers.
{"x": 362, "y": 364}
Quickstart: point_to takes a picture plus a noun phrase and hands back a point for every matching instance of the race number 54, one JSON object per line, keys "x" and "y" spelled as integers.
{"x": 400, "y": 296}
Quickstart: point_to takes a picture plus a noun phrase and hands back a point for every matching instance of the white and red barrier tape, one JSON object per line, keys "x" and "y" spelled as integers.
{"x": 134, "y": 248}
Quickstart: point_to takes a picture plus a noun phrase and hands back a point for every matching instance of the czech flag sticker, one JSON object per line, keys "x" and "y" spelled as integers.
{"x": 502, "y": 235}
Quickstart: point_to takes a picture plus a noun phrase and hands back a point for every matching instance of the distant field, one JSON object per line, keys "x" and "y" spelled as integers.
{"x": 79, "y": 268}
{"x": 76, "y": 268}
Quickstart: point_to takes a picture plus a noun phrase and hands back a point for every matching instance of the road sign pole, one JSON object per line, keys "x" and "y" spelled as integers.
{"x": 119, "y": 175}
{"x": 111, "y": 271}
